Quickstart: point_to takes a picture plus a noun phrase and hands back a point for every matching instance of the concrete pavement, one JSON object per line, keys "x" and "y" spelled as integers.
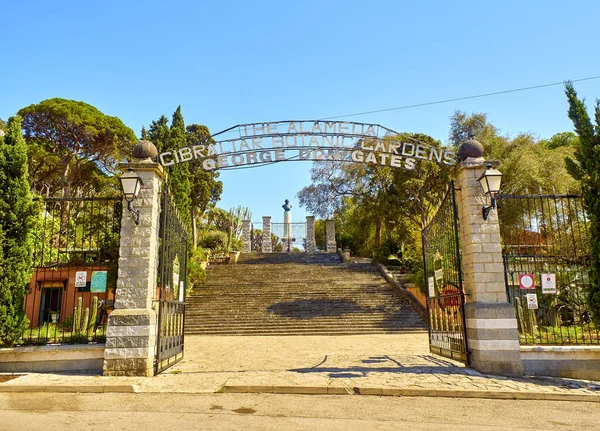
{"x": 361, "y": 364}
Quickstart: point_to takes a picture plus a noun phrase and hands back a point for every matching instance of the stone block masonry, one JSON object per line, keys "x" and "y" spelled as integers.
{"x": 132, "y": 326}
{"x": 491, "y": 325}
{"x": 246, "y": 236}
{"x": 267, "y": 246}
{"x": 330, "y": 244}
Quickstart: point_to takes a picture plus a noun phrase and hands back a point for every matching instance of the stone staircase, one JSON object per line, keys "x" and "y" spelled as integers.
{"x": 297, "y": 294}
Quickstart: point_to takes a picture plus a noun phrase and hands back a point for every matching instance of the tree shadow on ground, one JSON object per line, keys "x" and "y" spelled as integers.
{"x": 433, "y": 365}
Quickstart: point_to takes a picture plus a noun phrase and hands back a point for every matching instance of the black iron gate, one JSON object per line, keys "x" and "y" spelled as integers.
{"x": 546, "y": 261}
{"x": 172, "y": 283}
{"x": 443, "y": 278}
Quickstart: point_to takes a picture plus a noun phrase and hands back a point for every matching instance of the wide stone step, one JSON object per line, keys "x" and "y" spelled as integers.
{"x": 297, "y": 293}
{"x": 364, "y": 331}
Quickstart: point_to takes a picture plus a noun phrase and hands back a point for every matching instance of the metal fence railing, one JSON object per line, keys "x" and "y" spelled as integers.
{"x": 75, "y": 256}
{"x": 546, "y": 261}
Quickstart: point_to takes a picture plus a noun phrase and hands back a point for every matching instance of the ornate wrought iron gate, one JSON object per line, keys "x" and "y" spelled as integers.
{"x": 172, "y": 279}
{"x": 443, "y": 277}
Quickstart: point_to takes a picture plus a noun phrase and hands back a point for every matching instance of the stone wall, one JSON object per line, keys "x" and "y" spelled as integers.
{"x": 575, "y": 362}
{"x": 52, "y": 359}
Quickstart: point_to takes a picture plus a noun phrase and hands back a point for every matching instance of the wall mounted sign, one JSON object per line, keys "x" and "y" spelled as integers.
{"x": 98, "y": 283}
{"x": 526, "y": 281}
{"x": 549, "y": 283}
{"x": 80, "y": 278}
{"x": 431, "y": 285}
{"x": 314, "y": 140}
{"x": 532, "y": 302}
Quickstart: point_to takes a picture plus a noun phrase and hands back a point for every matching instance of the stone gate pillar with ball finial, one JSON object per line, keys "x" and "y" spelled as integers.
{"x": 132, "y": 325}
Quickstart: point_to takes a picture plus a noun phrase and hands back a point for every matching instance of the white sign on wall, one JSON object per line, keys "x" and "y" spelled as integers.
{"x": 549, "y": 283}
{"x": 80, "y": 278}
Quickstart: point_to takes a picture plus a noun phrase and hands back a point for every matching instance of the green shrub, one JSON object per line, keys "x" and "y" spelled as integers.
{"x": 214, "y": 240}
{"x": 195, "y": 272}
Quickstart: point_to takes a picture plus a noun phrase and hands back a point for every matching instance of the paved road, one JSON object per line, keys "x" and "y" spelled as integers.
{"x": 148, "y": 412}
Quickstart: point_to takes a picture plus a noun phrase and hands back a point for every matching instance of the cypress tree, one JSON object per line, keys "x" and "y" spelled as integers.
{"x": 172, "y": 139}
{"x": 586, "y": 169}
{"x": 18, "y": 214}
{"x": 178, "y": 178}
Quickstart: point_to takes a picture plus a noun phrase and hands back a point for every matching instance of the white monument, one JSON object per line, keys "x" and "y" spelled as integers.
{"x": 287, "y": 239}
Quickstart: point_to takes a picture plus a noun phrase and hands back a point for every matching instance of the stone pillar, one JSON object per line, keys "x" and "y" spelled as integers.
{"x": 311, "y": 244}
{"x": 132, "y": 325}
{"x": 492, "y": 333}
{"x": 330, "y": 245}
{"x": 246, "y": 236}
{"x": 267, "y": 246}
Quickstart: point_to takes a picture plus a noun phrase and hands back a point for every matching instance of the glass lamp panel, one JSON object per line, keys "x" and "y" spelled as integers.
{"x": 494, "y": 182}
{"x": 130, "y": 186}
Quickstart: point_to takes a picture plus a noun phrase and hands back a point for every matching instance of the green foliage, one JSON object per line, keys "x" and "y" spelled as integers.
{"x": 196, "y": 273}
{"x": 178, "y": 177}
{"x": 205, "y": 189}
{"x": 18, "y": 215}
{"x": 372, "y": 203}
{"x": 73, "y": 145}
{"x": 585, "y": 167}
{"x": 214, "y": 240}
{"x": 320, "y": 236}
{"x": 529, "y": 165}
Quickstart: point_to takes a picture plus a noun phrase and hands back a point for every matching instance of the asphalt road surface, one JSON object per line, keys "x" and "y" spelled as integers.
{"x": 148, "y": 412}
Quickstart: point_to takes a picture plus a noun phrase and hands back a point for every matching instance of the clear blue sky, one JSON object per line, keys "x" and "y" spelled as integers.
{"x": 234, "y": 62}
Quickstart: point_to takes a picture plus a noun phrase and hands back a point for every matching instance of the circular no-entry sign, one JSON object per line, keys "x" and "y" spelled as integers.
{"x": 526, "y": 281}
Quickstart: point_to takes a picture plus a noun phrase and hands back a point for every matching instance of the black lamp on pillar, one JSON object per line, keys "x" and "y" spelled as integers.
{"x": 130, "y": 185}
{"x": 490, "y": 181}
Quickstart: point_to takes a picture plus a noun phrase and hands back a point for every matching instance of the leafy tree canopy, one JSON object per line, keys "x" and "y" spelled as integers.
{"x": 529, "y": 165}
{"x": 370, "y": 201}
{"x": 64, "y": 135}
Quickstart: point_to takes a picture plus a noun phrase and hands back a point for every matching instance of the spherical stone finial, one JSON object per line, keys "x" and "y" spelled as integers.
{"x": 145, "y": 150}
{"x": 470, "y": 148}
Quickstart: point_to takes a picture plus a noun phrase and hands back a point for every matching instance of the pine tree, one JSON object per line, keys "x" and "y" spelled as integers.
{"x": 17, "y": 217}
{"x": 586, "y": 169}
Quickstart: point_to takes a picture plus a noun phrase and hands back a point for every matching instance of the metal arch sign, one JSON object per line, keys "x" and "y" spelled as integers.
{"x": 312, "y": 140}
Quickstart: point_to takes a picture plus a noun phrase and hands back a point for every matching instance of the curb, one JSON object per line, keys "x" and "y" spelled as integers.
{"x": 408, "y": 392}
{"x": 128, "y": 389}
